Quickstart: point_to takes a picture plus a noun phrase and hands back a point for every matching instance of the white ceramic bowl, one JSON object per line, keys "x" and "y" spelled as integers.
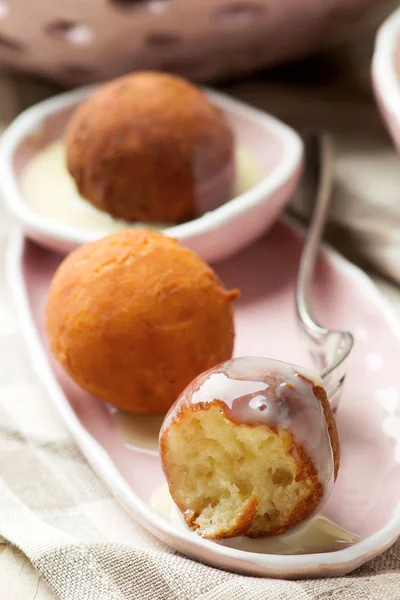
{"x": 386, "y": 73}
{"x": 215, "y": 235}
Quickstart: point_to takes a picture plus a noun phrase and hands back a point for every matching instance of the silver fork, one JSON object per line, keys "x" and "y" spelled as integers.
{"x": 328, "y": 348}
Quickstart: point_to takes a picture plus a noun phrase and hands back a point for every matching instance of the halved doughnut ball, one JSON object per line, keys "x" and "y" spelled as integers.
{"x": 250, "y": 448}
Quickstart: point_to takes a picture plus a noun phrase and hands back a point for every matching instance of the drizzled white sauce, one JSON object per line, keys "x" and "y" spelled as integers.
{"x": 137, "y": 432}
{"x": 50, "y": 190}
{"x": 218, "y": 385}
{"x": 280, "y": 395}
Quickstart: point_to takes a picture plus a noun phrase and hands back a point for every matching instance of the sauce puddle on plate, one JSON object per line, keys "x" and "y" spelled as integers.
{"x": 136, "y": 431}
{"x": 50, "y": 190}
{"x": 316, "y": 536}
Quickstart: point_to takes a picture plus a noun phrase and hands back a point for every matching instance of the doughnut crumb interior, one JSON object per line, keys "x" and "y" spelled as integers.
{"x": 243, "y": 479}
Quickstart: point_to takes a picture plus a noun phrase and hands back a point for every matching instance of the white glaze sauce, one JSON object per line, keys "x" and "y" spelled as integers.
{"x": 138, "y": 432}
{"x": 50, "y": 190}
{"x": 280, "y": 395}
{"x": 317, "y": 535}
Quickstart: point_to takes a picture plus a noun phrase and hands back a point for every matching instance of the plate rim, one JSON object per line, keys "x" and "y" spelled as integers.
{"x": 287, "y": 566}
{"x": 384, "y": 75}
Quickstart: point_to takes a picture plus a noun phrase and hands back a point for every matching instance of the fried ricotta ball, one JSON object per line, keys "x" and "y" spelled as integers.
{"x": 250, "y": 448}
{"x": 134, "y": 317}
{"x": 151, "y": 147}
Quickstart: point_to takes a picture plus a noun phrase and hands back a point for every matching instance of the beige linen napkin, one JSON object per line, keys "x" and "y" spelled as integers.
{"x": 52, "y": 505}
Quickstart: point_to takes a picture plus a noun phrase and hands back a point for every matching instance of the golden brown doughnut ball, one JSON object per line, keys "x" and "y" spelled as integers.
{"x": 134, "y": 317}
{"x": 151, "y": 147}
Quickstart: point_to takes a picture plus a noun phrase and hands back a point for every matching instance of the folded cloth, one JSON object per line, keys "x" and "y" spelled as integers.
{"x": 55, "y": 510}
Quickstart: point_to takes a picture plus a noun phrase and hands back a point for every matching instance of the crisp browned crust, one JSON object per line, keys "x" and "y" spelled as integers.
{"x": 320, "y": 393}
{"x": 141, "y": 145}
{"x": 246, "y": 521}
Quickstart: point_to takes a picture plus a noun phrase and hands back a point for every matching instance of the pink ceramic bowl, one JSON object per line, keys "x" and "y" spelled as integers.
{"x": 77, "y": 42}
{"x": 386, "y": 73}
{"x": 215, "y": 235}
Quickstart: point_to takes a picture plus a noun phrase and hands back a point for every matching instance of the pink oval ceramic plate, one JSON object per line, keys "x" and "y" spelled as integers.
{"x": 367, "y": 493}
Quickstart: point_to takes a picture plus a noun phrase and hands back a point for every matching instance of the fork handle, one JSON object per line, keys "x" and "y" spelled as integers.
{"x": 329, "y": 348}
